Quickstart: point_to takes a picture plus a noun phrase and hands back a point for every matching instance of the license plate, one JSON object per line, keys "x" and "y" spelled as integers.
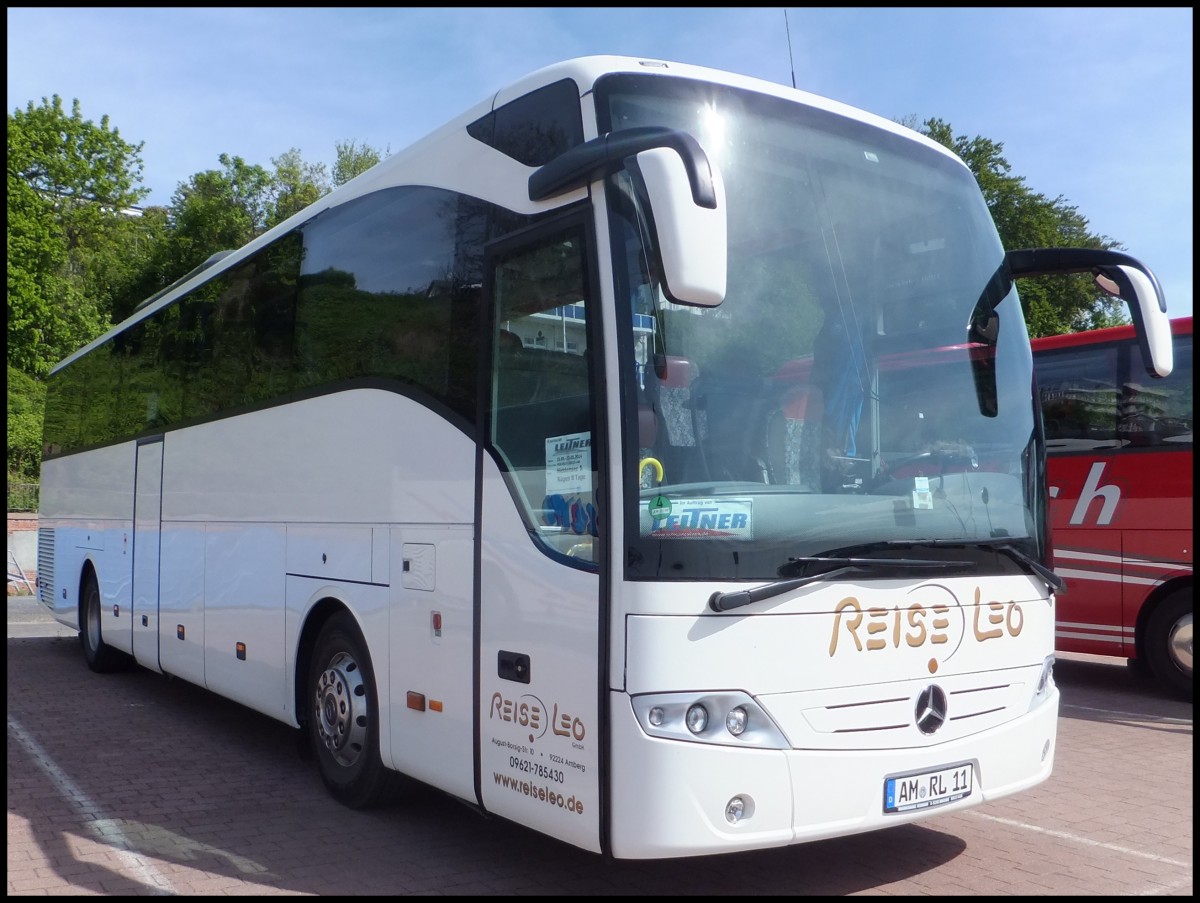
{"x": 927, "y": 789}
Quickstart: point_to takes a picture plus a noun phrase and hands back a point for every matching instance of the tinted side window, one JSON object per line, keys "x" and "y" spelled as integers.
{"x": 390, "y": 289}
{"x": 1157, "y": 411}
{"x": 535, "y": 128}
{"x": 541, "y": 399}
{"x": 1079, "y": 397}
{"x": 387, "y": 286}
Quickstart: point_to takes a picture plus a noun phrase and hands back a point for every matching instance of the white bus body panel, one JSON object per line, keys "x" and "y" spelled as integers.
{"x": 431, "y": 629}
{"x": 243, "y": 603}
{"x": 147, "y": 510}
{"x": 849, "y": 633}
{"x": 540, "y": 742}
{"x": 848, "y": 735}
{"x": 182, "y": 585}
{"x": 246, "y": 502}
{"x": 87, "y": 503}
{"x": 282, "y": 498}
{"x": 365, "y": 456}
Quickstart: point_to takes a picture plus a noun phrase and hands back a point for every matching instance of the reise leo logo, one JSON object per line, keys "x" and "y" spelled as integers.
{"x": 935, "y": 618}
{"x": 530, "y": 712}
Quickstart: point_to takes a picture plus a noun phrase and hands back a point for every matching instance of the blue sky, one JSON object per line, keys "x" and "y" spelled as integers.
{"x": 1093, "y": 105}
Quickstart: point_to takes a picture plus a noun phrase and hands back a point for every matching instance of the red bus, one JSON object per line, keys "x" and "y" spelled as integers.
{"x": 1119, "y": 449}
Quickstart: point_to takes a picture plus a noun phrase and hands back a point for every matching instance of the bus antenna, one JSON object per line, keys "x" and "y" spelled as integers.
{"x": 791, "y": 61}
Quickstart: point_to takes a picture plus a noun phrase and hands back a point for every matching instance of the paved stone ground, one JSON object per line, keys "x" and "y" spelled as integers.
{"x": 134, "y": 784}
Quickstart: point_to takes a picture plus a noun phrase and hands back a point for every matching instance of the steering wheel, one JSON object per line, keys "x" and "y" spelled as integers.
{"x": 946, "y": 457}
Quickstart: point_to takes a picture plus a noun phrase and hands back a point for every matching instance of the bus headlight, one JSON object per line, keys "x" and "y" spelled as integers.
{"x": 1045, "y": 684}
{"x": 727, "y": 719}
{"x": 735, "y": 721}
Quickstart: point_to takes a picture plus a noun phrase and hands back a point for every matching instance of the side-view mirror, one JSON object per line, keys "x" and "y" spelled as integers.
{"x": 690, "y": 237}
{"x": 682, "y": 191}
{"x": 1119, "y": 275}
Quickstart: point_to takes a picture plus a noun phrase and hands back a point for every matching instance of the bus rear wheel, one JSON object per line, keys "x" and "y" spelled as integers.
{"x": 100, "y": 657}
{"x": 1169, "y": 643}
{"x": 343, "y": 718}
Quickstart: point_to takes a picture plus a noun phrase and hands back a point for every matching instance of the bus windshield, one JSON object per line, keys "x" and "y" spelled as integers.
{"x": 867, "y": 378}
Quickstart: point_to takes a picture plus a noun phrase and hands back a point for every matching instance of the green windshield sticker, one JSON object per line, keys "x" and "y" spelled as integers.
{"x": 660, "y": 506}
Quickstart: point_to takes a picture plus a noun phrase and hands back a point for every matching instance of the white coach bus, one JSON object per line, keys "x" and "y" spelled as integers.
{"x": 650, "y": 456}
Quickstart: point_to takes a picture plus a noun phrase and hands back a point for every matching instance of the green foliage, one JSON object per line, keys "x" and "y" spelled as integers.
{"x": 223, "y": 209}
{"x": 80, "y": 258}
{"x": 26, "y": 398}
{"x": 294, "y": 186}
{"x": 353, "y": 160}
{"x": 1026, "y": 219}
{"x": 214, "y": 210}
{"x": 218, "y": 210}
{"x": 71, "y": 186}
{"x": 143, "y": 254}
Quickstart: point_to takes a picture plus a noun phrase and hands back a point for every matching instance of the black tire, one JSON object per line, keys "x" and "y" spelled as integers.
{"x": 100, "y": 657}
{"x": 343, "y": 718}
{"x": 1169, "y": 643}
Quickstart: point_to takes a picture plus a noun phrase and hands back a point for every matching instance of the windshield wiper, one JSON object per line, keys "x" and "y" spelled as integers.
{"x": 1031, "y": 564}
{"x": 1052, "y": 580}
{"x": 835, "y": 567}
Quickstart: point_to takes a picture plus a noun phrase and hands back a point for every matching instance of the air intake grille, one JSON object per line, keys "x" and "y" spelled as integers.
{"x": 45, "y": 566}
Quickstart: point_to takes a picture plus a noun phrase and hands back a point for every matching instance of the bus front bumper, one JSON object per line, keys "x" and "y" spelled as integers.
{"x": 670, "y": 798}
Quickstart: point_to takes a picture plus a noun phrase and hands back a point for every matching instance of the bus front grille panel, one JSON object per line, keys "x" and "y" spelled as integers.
{"x": 877, "y": 717}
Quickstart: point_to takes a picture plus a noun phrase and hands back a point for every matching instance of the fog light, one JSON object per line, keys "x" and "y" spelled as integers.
{"x": 697, "y": 718}
{"x": 735, "y": 721}
{"x": 735, "y": 810}
{"x": 656, "y": 716}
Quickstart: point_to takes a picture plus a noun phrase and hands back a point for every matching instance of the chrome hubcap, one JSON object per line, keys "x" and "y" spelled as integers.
{"x": 340, "y": 709}
{"x": 1180, "y": 644}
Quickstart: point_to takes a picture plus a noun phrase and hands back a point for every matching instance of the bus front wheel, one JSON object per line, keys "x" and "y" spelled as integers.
{"x": 343, "y": 718}
{"x": 100, "y": 657}
{"x": 1169, "y": 642}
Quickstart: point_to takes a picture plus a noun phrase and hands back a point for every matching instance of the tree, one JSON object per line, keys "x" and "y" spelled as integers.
{"x": 221, "y": 210}
{"x": 214, "y": 210}
{"x": 353, "y": 160}
{"x": 82, "y": 255}
{"x": 26, "y": 399}
{"x": 1026, "y": 219}
{"x": 295, "y": 185}
{"x": 72, "y": 187}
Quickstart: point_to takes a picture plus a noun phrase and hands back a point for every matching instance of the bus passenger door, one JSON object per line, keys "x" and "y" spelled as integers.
{"x": 539, "y": 516}
{"x": 147, "y": 521}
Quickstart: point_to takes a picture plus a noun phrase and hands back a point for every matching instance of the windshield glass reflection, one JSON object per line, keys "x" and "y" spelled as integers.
{"x": 868, "y": 376}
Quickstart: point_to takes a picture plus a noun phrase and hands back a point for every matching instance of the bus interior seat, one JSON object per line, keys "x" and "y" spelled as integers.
{"x": 802, "y": 420}
{"x": 675, "y": 402}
